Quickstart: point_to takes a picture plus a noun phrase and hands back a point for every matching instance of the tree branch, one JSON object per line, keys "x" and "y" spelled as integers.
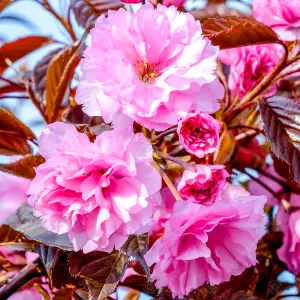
{"x": 27, "y": 273}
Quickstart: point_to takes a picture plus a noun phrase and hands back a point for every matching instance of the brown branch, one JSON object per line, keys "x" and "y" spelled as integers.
{"x": 65, "y": 23}
{"x": 259, "y": 89}
{"x": 278, "y": 180}
{"x": 12, "y": 83}
{"x": 264, "y": 185}
{"x": 250, "y": 133}
{"x": 27, "y": 273}
{"x": 224, "y": 81}
{"x": 178, "y": 161}
{"x": 244, "y": 127}
{"x": 166, "y": 179}
{"x": 163, "y": 134}
{"x": 35, "y": 101}
{"x": 13, "y": 97}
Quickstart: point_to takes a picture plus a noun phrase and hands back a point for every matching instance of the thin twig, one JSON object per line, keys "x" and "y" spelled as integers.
{"x": 266, "y": 81}
{"x": 243, "y": 127}
{"x": 35, "y": 101}
{"x": 30, "y": 271}
{"x": 13, "y": 97}
{"x": 178, "y": 161}
{"x": 249, "y": 133}
{"x": 224, "y": 81}
{"x": 264, "y": 185}
{"x": 278, "y": 180}
{"x": 163, "y": 134}
{"x": 11, "y": 82}
{"x": 260, "y": 88}
{"x": 166, "y": 180}
{"x": 65, "y": 23}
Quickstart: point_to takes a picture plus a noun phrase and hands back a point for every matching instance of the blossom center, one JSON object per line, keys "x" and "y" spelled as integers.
{"x": 148, "y": 72}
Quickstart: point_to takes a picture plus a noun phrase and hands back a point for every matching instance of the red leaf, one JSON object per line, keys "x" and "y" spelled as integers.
{"x": 40, "y": 71}
{"x": 87, "y": 11}
{"x": 230, "y": 32}
{"x": 15, "y": 50}
{"x": 282, "y": 127}
{"x": 59, "y": 77}
{"x": 23, "y": 167}
{"x": 14, "y": 134}
{"x": 5, "y": 3}
{"x": 215, "y": 10}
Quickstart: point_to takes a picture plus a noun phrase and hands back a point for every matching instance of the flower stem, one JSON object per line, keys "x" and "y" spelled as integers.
{"x": 260, "y": 88}
{"x": 178, "y": 161}
{"x": 267, "y": 79}
{"x": 264, "y": 186}
{"x": 163, "y": 134}
{"x": 166, "y": 179}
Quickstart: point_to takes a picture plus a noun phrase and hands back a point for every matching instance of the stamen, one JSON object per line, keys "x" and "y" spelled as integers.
{"x": 147, "y": 72}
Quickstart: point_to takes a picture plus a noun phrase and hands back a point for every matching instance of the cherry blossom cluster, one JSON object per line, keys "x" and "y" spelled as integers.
{"x": 154, "y": 68}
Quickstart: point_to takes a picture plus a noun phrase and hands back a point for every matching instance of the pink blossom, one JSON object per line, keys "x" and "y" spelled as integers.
{"x": 199, "y": 133}
{"x": 282, "y": 15}
{"x": 26, "y": 294}
{"x": 249, "y": 65}
{"x": 257, "y": 189}
{"x": 177, "y": 3}
{"x": 148, "y": 67}
{"x": 289, "y": 252}
{"x": 17, "y": 257}
{"x": 132, "y": 1}
{"x": 99, "y": 192}
{"x": 12, "y": 194}
{"x": 203, "y": 185}
{"x": 207, "y": 243}
{"x": 164, "y": 211}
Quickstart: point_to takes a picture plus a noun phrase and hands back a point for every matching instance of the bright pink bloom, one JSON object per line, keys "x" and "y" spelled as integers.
{"x": 199, "y": 133}
{"x": 249, "y": 65}
{"x": 207, "y": 243}
{"x": 12, "y": 194}
{"x": 282, "y": 15}
{"x": 177, "y": 3}
{"x": 99, "y": 192}
{"x": 131, "y": 1}
{"x": 289, "y": 252}
{"x": 148, "y": 67}
{"x": 17, "y": 257}
{"x": 164, "y": 211}
{"x": 203, "y": 185}
{"x": 26, "y": 294}
{"x": 257, "y": 189}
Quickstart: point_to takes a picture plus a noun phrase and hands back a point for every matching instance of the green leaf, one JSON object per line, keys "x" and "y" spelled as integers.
{"x": 30, "y": 226}
{"x": 282, "y": 127}
{"x": 102, "y": 271}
